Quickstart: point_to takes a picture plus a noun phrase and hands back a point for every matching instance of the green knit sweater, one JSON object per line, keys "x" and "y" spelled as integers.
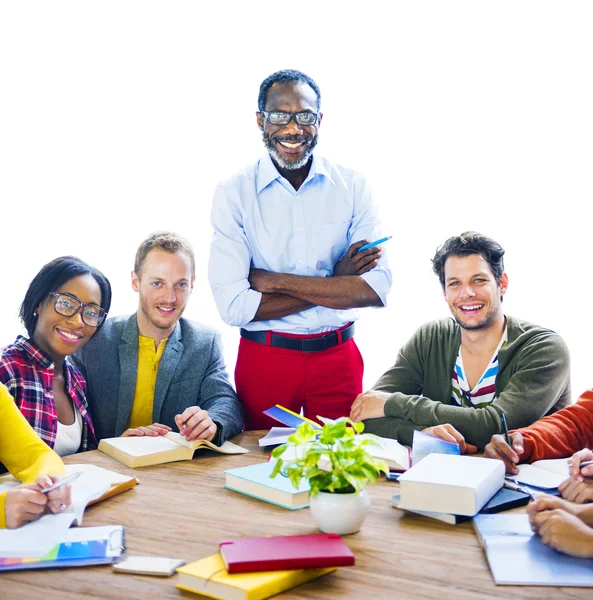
{"x": 533, "y": 380}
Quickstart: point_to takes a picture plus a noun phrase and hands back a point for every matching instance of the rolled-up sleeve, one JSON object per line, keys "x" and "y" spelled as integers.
{"x": 366, "y": 225}
{"x": 230, "y": 260}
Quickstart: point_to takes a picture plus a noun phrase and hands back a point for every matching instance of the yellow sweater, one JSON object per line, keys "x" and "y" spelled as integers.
{"x": 21, "y": 451}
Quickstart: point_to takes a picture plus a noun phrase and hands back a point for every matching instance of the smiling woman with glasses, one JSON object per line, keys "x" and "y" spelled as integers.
{"x": 65, "y": 304}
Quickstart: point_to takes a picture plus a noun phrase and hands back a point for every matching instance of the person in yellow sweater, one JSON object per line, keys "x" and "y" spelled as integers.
{"x": 28, "y": 458}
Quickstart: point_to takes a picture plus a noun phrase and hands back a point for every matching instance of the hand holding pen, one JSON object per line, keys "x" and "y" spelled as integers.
{"x": 581, "y": 464}
{"x": 506, "y": 446}
{"x": 360, "y": 258}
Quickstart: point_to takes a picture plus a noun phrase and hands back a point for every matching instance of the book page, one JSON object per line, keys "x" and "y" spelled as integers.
{"x": 556, "y": 465}
{"x": 391, "y": 451}
{"x": 226, "y": 448}
{"x": 538, "y": 478}
{"x": 143, "y": 446}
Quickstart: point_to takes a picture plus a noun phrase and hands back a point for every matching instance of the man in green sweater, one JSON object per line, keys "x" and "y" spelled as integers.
{"x": 469, "y": 370}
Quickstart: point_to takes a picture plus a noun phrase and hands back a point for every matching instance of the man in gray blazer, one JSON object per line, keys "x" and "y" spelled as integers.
{"x": 153, "y": 371}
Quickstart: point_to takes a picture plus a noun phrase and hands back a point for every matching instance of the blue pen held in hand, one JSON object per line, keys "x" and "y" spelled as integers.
{"x": 375, "y": 243}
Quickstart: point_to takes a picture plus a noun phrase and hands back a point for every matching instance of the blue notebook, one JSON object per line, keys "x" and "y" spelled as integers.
{"x": 255, "y": 481}
{"x": 517, "y": 556}
{"x": 288, "y": 418}
{"x": 424, "y": 444}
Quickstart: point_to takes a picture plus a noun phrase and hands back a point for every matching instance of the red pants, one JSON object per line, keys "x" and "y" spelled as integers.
{"x": 323, "y": 383}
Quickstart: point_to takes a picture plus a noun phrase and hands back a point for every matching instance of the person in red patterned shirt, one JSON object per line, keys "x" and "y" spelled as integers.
{"x": 65, "y": 305}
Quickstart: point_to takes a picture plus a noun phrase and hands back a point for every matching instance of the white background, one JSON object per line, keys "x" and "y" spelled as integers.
{"x": 119, "y": 118}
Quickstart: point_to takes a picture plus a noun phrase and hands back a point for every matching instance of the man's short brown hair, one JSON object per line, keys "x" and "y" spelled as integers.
{"x": 167, "y": 241}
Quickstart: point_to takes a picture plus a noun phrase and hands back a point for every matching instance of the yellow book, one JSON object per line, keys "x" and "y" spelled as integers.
{"x": 145, "y": 450}
{"x": 209, "y": 578}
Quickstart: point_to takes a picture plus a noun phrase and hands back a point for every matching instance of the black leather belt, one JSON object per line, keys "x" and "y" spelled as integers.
{"x": 304, "y": 345}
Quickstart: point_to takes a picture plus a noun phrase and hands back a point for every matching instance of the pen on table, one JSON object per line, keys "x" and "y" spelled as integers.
{"x": 62, "y": 482}
{"x": 375, "y": 243}
{"x": 511, "y": 485}
{"x": 505, "y": 429}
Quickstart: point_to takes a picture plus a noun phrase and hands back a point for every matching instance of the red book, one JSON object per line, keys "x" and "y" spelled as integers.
{"x": 248, "y": 554}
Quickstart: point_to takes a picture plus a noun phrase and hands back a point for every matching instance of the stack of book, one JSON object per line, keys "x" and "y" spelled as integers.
{"x": 260, "y": 567}
{"x": 449, "y": 487}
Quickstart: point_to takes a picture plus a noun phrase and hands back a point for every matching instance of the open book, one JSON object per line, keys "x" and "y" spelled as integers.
{"x": 95, "y": 484}
{"x": 145, "y": 451}
{"x": 543, "y": 474}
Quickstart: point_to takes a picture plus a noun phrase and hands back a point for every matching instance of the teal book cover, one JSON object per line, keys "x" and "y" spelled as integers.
{"x": 255, "y": 481}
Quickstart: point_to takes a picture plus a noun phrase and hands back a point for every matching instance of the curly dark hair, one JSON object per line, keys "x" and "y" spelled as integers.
{"x": 469, "y": 242}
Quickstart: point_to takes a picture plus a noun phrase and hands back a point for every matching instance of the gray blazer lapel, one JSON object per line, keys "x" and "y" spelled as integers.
{"x": 128, "y": 365}
{"x": 167, "y": 367}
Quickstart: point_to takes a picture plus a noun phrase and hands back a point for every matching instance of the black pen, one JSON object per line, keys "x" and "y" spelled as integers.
{"x": 505, "y": 429}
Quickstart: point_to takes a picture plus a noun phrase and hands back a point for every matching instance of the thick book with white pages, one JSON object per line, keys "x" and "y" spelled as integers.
{"x": 446, "y": 483}
{"x": 146, "y": 450}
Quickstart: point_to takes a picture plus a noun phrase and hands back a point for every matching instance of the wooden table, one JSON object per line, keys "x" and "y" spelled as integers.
{"x": 182, "y": 510}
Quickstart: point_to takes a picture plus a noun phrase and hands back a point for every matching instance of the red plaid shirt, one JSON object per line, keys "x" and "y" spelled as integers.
{"x": 28, "y": 374}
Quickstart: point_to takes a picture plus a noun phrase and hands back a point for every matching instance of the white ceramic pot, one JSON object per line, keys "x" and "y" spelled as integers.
{"x": 340, "y": 513}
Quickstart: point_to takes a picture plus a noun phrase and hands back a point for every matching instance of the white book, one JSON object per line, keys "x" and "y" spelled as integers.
{"x": 146, "y": 450}
{"x": 445, "y": 483}
{"x": 543, "y": 474}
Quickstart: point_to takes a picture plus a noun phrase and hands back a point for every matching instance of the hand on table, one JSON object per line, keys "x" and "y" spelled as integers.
{"x": 447, "y": 432}
{"x": 153, "y": 430}
{"x": 498, "y": 448}
{"x": 369, "y": 405}
{"x": 195, "y": 424}
{"x": 561, "y": 526}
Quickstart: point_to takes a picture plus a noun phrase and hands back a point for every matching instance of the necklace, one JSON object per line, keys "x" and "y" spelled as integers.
{"x": 60, "y": 376}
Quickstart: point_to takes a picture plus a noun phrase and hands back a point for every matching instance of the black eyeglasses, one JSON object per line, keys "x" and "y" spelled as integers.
{"x": 68, "y": 305}
{"x": 276, "y": 117}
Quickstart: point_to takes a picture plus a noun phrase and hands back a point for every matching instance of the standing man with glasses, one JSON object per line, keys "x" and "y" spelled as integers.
{"x": 458, "y": 377}
{"x": 155, "y": 371}
{"x": 284, "y": 263}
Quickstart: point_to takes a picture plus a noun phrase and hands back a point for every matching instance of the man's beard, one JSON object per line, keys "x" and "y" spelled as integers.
{"x": 146, "y": 310}
{"x": 483, "y": 324}
{"x": 281, "y": 162}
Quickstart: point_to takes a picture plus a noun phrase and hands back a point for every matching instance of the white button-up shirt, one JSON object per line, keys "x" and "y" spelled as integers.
{"x": 261, "y": 221}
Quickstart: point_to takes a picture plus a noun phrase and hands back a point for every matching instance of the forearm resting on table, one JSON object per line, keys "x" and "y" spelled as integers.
{"x": 332, "y": 292}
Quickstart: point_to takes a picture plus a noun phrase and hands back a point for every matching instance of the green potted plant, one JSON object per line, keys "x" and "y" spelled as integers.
{"x": 338, "y": 468}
